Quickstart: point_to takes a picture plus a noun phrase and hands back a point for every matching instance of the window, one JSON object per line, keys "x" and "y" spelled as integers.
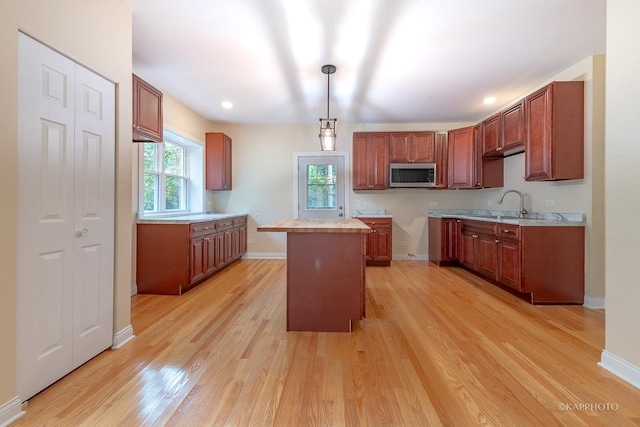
{"x": 171, "y": 174}
{"x": 321, "y": 186}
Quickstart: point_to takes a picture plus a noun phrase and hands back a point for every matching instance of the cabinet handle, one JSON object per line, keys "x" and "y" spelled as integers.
{"x": 499, "y": 149}
{"x": 497, "y": 241}
{"x": 475, "y": 236}
{"x": 506, "y": 231}
{"x": 479, "y": 183}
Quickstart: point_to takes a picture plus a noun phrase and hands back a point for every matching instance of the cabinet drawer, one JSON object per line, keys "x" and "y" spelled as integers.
{"x": 479, "y": 227}
{"x": 225, "y": 224}
{"x": 200, "y": 228}
{"x": 510, "y": 232}
{"x": 239, "y": 221}
{"x": 376, "y": 222}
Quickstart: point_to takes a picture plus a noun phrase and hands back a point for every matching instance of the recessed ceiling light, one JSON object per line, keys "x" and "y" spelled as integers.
{"x": 489, "y": 100}
{"x": 227, "y": 104}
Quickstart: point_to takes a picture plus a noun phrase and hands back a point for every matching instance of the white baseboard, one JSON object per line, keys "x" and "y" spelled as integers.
{"x": 621, "y": 368}
{"x": 265, "y": 255}
{"x": 122, "y": 337}
{"x": 10, "y": 411}
{"x": 595, "y": 303}
{"x": 410, "y": 257}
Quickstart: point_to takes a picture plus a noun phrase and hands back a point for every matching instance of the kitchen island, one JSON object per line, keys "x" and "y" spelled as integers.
{"x": 325, "y": 272}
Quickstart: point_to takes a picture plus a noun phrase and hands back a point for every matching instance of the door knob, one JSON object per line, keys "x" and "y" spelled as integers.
{"x": 82, "y": 232}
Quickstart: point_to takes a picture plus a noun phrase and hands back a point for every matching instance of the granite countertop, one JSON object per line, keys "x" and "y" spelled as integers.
{"x": 185, "y": 219}
{"x": 370, "y": 213}
{"x": 317, "y": 226}
{"x": 512, "y": 217}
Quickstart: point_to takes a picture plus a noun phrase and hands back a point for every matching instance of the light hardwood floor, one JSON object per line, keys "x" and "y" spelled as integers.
{"x": 439, "y": 346}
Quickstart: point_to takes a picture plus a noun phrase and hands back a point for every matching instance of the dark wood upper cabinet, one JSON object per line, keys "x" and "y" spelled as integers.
{"x": 512, "y": 135}
{"x": 462, "y": 159}
{"x": 503, "y": 133}
{"x": 370, "y": 160}
{"x": 554, "y": 132}
{"x": 442, "y": 164}
{"x": 491, "y": 135}
{"x": 218, "y": 161}
{"x": 412, "y": 147}
{"x": 147, "y": 112}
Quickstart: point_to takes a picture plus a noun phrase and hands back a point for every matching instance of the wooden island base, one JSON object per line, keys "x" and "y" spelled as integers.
{"x": 325, "y": 273}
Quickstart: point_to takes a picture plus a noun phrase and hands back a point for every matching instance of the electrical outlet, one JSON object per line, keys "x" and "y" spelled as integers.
{"x": 367, "y": 202}
{"x": 357, "y": 203}
{"x": 433, "y": 203}
{"x": 249, "y": 241}
{"x": 489, "y": 202}
{"x": 549, "y": 202}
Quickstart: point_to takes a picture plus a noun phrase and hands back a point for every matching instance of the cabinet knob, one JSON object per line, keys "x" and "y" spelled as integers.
{"x": 497, "y": 241}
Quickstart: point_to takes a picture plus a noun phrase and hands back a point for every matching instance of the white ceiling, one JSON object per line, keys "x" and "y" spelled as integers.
{"x": 398, "y": 61}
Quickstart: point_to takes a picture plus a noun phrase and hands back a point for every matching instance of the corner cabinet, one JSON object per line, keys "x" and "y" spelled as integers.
{"x": 147, "y": 112}
{"x": 370, "y": 160}
{"x": 218, "y": 161}
{"x": 174, "y": 257}
{"x": 503, "y": 133}
{"x": 554, "y": 132}
{"x": 379, "y": 242}
{"x": 467, "y": 168}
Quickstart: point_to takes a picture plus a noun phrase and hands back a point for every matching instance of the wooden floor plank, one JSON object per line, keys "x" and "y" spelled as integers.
{"x": 439, "y": 346}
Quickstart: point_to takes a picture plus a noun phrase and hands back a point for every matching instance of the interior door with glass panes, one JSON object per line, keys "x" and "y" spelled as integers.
{"x": 321, "y": 187}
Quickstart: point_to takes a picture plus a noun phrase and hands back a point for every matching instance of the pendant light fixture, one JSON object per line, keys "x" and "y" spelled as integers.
{"x": 328, "y": 125}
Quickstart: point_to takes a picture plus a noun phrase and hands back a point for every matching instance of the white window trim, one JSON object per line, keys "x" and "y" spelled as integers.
{"x": 195, "y": 184}
{"x": 347, "y": 173}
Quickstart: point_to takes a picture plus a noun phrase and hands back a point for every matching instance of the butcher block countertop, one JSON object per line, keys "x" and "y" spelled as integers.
{"x": 317, "y": 226}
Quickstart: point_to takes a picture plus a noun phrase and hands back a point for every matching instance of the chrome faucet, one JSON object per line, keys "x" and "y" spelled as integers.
{"x": 523, "y": 211}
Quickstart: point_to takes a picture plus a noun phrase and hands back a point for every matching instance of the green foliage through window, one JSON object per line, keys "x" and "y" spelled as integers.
{"x": 165, "y": 180}
{"x": 321, "y": 186}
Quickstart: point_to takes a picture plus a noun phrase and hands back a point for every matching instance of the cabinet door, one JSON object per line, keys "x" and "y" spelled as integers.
{"x": 225, "y": 248}
{"x": 400, "y": 147}
{"x": 487, "y": 255}
{"x": 211, "y": 253}
{"x": 449, "y": 239}
{"x": 538, "y": 162}
{"x": 423, "y": 147}
{"x": 218, "y": 163}
{"x": 491, "y": 136}
{"x": 512, "y": 128}
{"x": 554, "y": 132}
{"x": 442, "y": 166}
{"x": 147, "y": 112}
{"x": 461, "y": 158}
{"x": 468, "y": 251}
{"x": 370, "y": 161}
{"x": 198, "y": 259}
{"x": 509, "y": 272}
{"x": 383, "y": 244}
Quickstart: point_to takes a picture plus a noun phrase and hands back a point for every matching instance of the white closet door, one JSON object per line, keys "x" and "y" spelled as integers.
{"x": 93, "y": 216}
{"x": 65, "y": 186}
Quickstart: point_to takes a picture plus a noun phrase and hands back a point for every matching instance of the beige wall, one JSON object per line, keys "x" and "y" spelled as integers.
{"x": 622, "y": 175}
{"x": 263, "y": 180}
{"x": 96, "y": 34}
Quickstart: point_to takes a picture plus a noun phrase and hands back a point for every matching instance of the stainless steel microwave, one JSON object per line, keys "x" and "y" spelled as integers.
{"x": 412, "y": 175}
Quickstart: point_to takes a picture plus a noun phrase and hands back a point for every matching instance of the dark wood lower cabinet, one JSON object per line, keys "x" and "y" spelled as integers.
{"x": 173, "y": 258}
{"x": 541, "y": 264}
{"x": 379, "y": 249}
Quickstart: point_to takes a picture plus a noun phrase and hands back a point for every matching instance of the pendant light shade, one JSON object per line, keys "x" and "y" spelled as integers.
{"x": 328, "y": 125}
